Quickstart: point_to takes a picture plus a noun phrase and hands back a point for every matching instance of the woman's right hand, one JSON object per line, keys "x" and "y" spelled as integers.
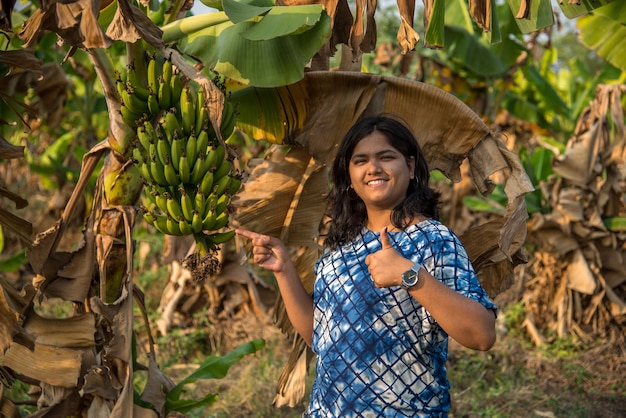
{"x": 268, "y": 252}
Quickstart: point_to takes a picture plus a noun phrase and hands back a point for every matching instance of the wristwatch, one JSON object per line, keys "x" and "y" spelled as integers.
{"x": 410, "y": 277}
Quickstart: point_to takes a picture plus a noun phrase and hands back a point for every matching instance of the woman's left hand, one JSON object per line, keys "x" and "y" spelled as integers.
{"x": 387, "y": 265}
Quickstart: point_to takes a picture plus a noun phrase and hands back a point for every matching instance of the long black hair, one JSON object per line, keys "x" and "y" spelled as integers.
{"x": 347, "y": 211}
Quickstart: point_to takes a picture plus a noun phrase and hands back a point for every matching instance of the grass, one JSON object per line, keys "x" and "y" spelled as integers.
{"x": 510, "y": 380}
{"x": 563, "y": 379}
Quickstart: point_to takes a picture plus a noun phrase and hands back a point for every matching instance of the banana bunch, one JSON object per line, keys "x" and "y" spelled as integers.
{"x": 188, "y": 175}
{"x": 143, "y": 98}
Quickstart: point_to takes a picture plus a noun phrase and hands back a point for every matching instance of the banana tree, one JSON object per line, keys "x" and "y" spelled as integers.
{"x": 95, "y": 357}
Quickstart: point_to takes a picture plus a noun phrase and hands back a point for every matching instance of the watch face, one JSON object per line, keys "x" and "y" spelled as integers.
{"x": 409, "y": 278}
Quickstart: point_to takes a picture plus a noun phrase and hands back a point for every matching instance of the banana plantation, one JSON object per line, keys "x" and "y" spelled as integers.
{"x": 136, "y": 135}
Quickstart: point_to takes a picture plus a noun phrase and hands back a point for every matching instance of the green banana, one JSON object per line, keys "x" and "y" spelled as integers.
{"x": 186, "y": 204}
{"x": 187, "y": 110}
{"x": 221, "y": 237}
{"x": 144, "y": 136}
{"x": 185, "y": 227}
{"x": 148, "y": 202}
{"x": 153, "y": 76}
{"x": 208, "y": 221}
{"x": 138, "y": 156}
{"x": 176, "y": 87}
{"x": 223, "y": 169}
{"x": 156, "y": 170}
{"x": 148, "y": 216}
{"x": 196, "y": 222}
{"x": 202, "y": 143}
{"x": 190, "y": 149}
{"x": 171, "y": 125}
{"x": 222, "y": 203}
{"x": 163, "y": 149}
{"x": 221, "y": 185}
{"x": 234, "y": 186}
{"x": 184, "y": 172}
{"x": 216, "y": 156}
{"x": 177, "y": 151}
{"x": 160, "y": 200}
{"x": 132, "y": 102}
{"x": 130, "y": 118}
{"x": 199, "y": 169}
{"x": 173, "y": 206}
{"x": 121, "y": 86}
{"x": 201, "y": 114}
{"x": 211, "y": 202}
{"x": 164, "y": 94}
{"x": 139, "y": 92}
{"x": 153, "y": 104}
{"x": 221, "y": 221}
{"x": 173, "y": 227}
{"x": 170, "y": 173}
{"x": 160, "y": 223}
{"x": 200, "y": 203}
{"x": 144, "y": 171}
{"x": 206, "y": 185}
{"x": 167, "y": 70}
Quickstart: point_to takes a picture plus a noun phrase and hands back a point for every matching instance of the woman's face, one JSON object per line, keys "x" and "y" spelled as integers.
{"x": 379, "y": 173}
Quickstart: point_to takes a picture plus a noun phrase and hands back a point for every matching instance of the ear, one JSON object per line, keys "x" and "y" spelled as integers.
{"x": 411, "y": 164}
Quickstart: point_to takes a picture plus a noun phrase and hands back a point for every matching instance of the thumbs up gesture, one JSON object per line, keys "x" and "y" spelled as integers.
{"x": 387, "y": 265}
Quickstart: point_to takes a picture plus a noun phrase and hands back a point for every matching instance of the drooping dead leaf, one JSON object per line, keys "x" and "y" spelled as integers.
{"x": 480, "y": 10}
{"x": 586, "y": 291}
{"x": 21, "y": 60}
{"x": 54, "y": 365}
{"x": 407, "y": 36}
{"x": 9, "y": 151}
{"x": 75, "y": 22}
{"x": 157, "y": 387}
{"x": 292, "y": 185}
{"x": 131, "y": 24}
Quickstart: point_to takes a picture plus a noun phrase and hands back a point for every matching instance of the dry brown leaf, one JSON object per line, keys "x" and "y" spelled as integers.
{"x": 72, "y": 332}
{"x": 157, "y": 387}
{"x": 75, "y": 22}
{"x": 579, "y": 276}
{"x": 22, "y": 60}
{"x": 407, "y": 36}
{"x": 284, "y": 197}
{"x": 480, "y": 10}
{"x": 131, "y": 24}
{"x": 20, "y": 227}
{"x": 53, "y": 365}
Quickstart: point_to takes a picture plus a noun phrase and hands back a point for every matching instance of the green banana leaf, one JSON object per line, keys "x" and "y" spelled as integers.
{"x": 468, "y": 51}
{"x": 212, "y": 368}
{"x": 434, "y": 33}
{"x": 240, "y": 11}
{"x": 551, "y": 99}
{"x": 472, "y": 51}
{"x": 582, "y": 7}
{"x": 234, "y": 50}
{"x": 539, "y": 14}
{"x": 604, "y": 31}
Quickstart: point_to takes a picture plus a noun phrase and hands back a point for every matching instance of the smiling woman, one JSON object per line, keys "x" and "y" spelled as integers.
{"x": 391, "y": 285}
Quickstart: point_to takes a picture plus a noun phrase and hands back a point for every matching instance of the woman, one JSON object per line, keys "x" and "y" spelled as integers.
{"x": 392, "y": 284}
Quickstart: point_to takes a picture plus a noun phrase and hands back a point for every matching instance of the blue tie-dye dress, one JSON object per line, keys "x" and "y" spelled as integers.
{"x": 379, "y": 352}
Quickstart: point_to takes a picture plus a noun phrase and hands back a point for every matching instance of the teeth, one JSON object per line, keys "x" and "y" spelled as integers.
{"x": 375, "y": 182}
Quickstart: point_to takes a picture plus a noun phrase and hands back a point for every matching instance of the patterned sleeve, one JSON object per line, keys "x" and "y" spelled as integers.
{"x": 447, "y": 260}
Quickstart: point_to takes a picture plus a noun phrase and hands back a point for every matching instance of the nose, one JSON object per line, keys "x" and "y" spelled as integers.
{"x": 374, "y": 166}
